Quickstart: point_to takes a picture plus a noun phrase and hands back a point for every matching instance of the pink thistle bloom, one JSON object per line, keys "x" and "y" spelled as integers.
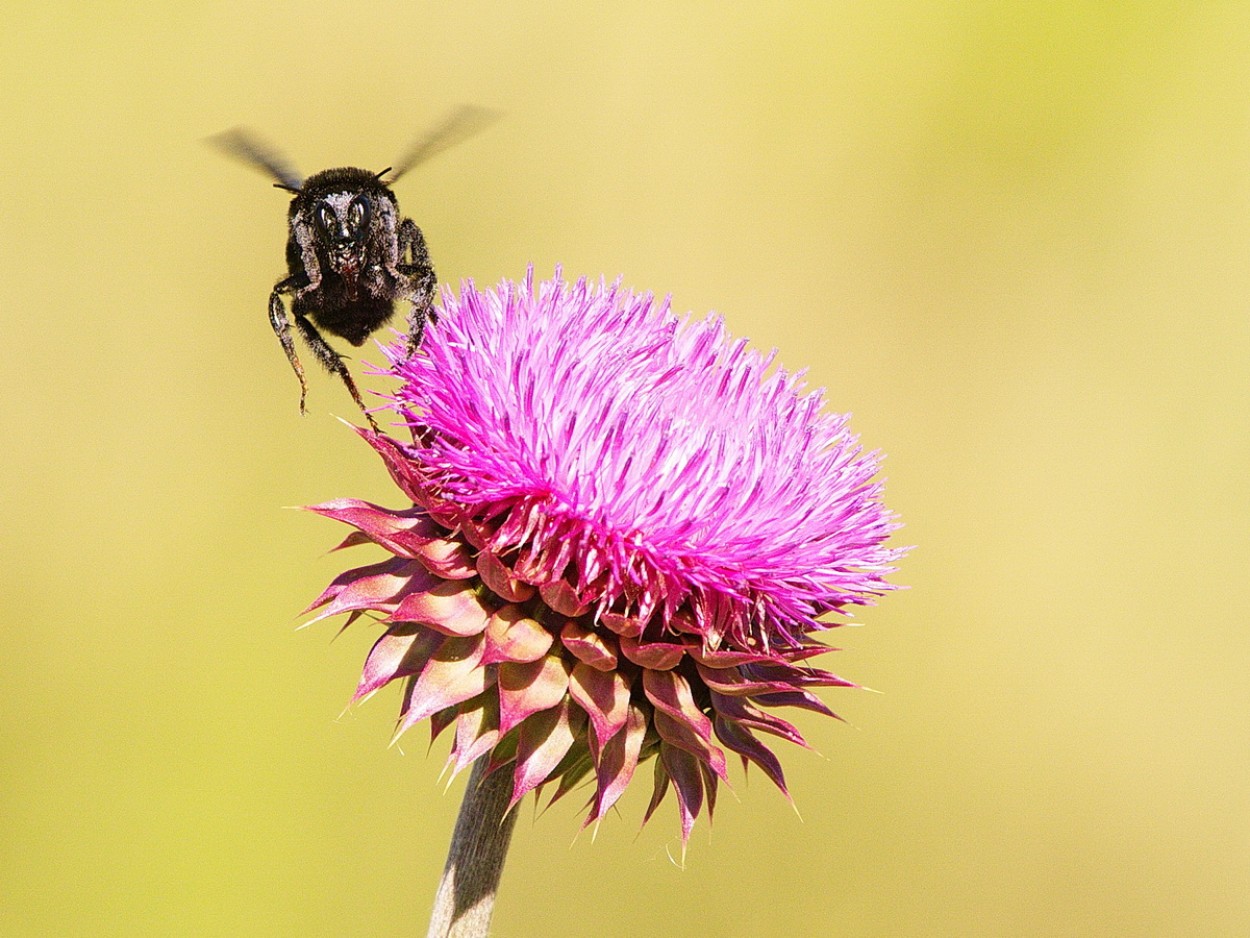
{"x": 625, "y": 530}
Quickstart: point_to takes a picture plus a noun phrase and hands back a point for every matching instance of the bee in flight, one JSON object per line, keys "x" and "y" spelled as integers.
{"x": 350, "y": 255}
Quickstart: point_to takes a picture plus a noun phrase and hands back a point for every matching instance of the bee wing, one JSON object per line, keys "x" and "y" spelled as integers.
{"x": 245, "y": 146}
{"x": 459, "y": 124}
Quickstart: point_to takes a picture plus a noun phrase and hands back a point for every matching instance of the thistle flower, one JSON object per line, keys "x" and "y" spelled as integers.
{"x": 625, "y": 531}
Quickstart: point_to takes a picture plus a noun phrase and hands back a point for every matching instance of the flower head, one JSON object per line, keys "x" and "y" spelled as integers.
{"x": 625, "y": 529}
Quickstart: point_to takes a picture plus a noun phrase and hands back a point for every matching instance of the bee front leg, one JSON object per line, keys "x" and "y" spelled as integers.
{"x": 282, "y": 328}
{"x": 333, "y": 363}
{"x": 419, "y": 272}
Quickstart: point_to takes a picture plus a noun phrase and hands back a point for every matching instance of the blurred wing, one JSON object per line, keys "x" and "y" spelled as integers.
{"x": 460, "y": 124}
{"x": 250, "y": 149}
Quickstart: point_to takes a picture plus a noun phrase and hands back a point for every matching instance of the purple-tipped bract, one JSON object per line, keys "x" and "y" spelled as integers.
{"x": 625, "y": 529}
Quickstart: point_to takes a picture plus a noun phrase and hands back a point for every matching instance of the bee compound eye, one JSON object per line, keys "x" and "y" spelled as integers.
{"x": 326, "y": 217}
{"x": 358, "y": 214}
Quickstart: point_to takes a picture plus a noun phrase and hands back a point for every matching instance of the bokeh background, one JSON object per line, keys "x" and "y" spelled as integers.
{"x": 1012, "y": 239}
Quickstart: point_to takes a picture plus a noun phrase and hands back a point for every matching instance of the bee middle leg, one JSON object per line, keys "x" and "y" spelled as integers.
{"x": 419, "y": 271}
{"x": 282, "y": 328}
{"x": 333, "y": 363}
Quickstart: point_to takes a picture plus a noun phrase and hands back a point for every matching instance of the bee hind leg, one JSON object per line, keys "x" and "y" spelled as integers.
{"x": 333, "y": 363}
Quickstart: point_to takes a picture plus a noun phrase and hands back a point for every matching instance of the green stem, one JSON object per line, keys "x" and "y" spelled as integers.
{"x": 479, "y": 845}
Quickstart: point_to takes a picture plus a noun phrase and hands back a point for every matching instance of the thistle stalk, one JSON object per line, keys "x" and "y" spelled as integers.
{"x": 465, "y": 899}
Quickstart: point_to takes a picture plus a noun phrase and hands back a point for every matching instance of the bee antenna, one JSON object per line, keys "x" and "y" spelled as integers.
{"x": 282, "y": 185}
{"x": 378, "y": 176}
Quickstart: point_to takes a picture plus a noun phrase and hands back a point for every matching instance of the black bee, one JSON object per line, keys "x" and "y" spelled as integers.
{"x": 349, "y": 254}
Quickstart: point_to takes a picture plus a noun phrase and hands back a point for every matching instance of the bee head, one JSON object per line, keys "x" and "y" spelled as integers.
{"x": 347, "y": 210}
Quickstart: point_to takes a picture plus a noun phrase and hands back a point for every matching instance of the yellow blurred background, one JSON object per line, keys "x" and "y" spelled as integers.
{"x": 1012, "y": 239}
